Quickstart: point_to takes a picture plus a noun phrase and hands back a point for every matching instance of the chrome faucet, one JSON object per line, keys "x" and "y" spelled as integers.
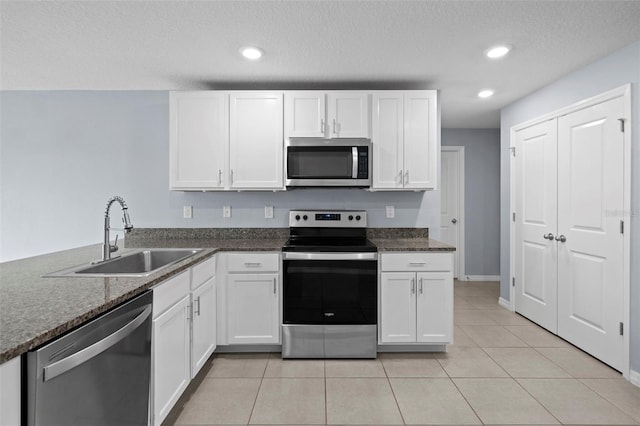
{"x": 107, "y": 247}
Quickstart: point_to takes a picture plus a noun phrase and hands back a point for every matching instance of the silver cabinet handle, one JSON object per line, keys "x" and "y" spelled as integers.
{"x": 219, "y": 177}
{"x": 413, "y": 286}
{"x": 548, "y": 236}
{"x": 561, "y": 238}
{"x": 420, "y": 285}
{"x": 335, "y": 131}
{"x": 322, "y": 130}
{"x": 454, "y": 220}
{"x": 400, "y": 176}
{"x": 406, "y": 177}
{"x": 417, "y": 263}
{"x": 231, "y": 177}
{"x": 275, "y": 286}
{"x": 197, "y": 301}
{"x": 252, "y": 264}
{"x": 57, "y": 368}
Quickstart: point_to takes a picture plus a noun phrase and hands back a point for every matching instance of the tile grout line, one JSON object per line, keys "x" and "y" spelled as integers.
{"x": 581, "y": 380}
{"x": 395, "y": 398}
{"x": 259, "y": 387}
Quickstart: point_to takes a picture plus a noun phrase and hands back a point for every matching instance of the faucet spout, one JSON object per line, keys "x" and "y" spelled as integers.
{"x": 107, "y": 247}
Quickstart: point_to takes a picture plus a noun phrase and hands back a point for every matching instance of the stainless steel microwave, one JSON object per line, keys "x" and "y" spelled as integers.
{"x": 328, "y": 162}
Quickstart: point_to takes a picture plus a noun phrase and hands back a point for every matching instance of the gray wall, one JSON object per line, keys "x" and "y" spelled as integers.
{"x": 482, "y": 197}
{"x": 64, "y": 153}
{"x": 617, "y": 69}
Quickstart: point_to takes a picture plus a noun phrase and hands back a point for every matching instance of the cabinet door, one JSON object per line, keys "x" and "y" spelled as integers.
{"x": 171, "y": 361}
{"x": 253, "y": 308}
{"x": 435, "y": 307}
{"x": 397, "y": 307}
{"x": 387, "y": 140}
{"x": 421, "y": 145}
{"x": 198, "y": 141}
{"x": 203, "y": 326}
{"x": 256, "y": 141}
{"x": 348, "y": 115}
{"x": 10, "y": 386}
{"x": 304, "y": 114}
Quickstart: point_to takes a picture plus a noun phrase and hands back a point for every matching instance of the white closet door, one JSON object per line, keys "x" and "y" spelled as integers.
{"x": 590, "y": 204}
{"x": 536, "y": 217}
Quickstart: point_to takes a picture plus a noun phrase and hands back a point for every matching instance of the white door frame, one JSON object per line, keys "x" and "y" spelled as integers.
{"x": 461, "y": 219}
{"x": 622, "y": 91}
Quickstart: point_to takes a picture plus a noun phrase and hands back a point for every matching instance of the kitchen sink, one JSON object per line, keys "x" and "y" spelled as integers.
{"x": 140, "y": 263}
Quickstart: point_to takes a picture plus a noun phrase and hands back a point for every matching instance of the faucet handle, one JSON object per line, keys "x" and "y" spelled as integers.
{"x": 114, "y": 247}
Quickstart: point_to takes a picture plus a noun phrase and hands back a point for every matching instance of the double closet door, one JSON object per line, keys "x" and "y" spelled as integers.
{"x": 568, "y": 233}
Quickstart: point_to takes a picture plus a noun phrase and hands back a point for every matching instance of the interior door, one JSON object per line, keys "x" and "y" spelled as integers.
{"x": 590, "y": 205}
{"x": 449, "y": 204}
{"x": 536, "y": 224}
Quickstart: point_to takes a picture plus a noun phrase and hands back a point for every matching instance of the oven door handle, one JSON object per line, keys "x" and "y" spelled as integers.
{"x": 329, "y": 256}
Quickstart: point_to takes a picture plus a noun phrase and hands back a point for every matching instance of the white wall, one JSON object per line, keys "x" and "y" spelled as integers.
{"x": 482, "y": 197}
{"x": 615, "y": 70}
{"x": 64, "y": 153}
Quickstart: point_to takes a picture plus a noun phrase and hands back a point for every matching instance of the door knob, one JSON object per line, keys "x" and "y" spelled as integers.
{"x": 548, "y": 236}
{"x": 454, "y": 220}
{"x": 561, "y": 238}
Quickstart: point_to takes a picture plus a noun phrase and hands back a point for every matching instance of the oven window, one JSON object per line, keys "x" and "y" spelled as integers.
{"x": 330, "y": 292}
{"x": 316, "y": 162}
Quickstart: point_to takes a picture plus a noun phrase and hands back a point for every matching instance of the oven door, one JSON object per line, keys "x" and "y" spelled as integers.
{"x": 330, "y": 288}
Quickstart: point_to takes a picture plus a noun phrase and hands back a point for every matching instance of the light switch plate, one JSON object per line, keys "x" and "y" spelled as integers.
{"x": 268, "y": 212}
{"x": 391, "y": 212}
{"x": 226, "y": 211}
{"x": 187, "y": 212}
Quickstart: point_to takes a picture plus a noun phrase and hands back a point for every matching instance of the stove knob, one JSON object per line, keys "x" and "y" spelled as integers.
{"x": 297, "y": 217}
{"x": 350, "y": 217}
{"x": 358, "y": 217}
{"x": 305, "y": 217}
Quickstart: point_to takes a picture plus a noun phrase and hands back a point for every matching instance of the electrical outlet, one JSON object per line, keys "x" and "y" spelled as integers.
{"x": 268, "y": 212}
{"x": 391, "y": 212}
{"x": 187, "y": 212}
{"x": 226, "y": 211}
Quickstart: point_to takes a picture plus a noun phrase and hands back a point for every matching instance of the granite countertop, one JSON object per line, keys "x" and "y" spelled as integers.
{"x": 34, "y": 310}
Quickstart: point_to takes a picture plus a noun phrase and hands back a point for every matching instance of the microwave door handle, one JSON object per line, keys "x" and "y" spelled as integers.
{"x": 354, "y": 164}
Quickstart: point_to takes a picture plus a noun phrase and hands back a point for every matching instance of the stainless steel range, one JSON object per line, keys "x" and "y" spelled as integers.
{"x": 329, "y": 286}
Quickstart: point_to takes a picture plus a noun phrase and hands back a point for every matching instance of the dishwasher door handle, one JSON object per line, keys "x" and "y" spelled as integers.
{"x": 59, "y": 367}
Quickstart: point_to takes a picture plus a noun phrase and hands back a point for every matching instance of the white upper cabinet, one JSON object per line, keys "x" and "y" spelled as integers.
{"x": 405, "y": 133}
{"x": 321, "y": 114}
{"x": 256, "y": 140}
{"x": 198, "y": 140}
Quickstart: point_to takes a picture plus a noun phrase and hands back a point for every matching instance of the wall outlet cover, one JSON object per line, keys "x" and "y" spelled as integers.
{"x": 391, "y": 212}
{"x": 187, "y": 212}
{"x": 268, "y": 212}
{"x": 226, "y": 211}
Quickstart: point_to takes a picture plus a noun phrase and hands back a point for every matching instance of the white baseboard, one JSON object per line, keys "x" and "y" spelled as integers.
{"x": 482, "y": 277}
{"x": 634, "y": 378}
{"x": 504, "y": 303}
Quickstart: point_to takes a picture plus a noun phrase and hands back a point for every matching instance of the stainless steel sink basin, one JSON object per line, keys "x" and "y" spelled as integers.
{"x": 139, "y": 263}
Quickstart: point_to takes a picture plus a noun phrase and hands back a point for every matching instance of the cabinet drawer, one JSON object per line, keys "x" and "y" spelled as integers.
{"x": 416, "y": 261}
{"x": 253, "y": 262}
{"x": 169, "y": 292}
{"x": 202, "y": 272}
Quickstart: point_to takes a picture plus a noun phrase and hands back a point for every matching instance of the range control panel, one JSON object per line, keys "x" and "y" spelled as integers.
{"x": 328, "y": 219}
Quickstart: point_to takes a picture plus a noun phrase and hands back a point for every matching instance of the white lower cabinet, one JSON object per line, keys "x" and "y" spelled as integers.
{"x": 416, "y": 298}
{"x": 203, "y": 328}
{"x": 249, "y": 300}
{"x": 10, "y": 376}
{"x": 183, "y": 336}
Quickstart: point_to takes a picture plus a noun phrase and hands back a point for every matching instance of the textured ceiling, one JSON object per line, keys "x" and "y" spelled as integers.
{"x": 166, "y": 45}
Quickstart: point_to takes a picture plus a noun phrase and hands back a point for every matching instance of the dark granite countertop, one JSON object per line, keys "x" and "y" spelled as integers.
{"x": 34, "y": 310}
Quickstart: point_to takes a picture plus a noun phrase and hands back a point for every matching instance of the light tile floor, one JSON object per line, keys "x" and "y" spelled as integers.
{"x": 502, "y": 369}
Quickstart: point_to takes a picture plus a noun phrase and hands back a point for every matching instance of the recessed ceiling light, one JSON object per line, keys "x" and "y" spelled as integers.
{"x": 487, "y": 93}
{"x": 251, "y": 52}
{"x": 498, "y": 51}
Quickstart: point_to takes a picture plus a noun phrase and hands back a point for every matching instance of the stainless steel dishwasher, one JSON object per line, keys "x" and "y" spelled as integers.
{"x": 96, "y": 375}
